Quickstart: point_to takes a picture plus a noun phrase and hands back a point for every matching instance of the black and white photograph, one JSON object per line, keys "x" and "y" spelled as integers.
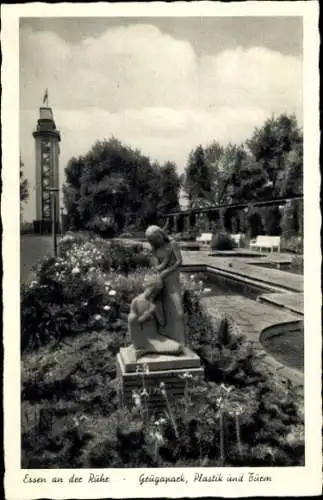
{"x": 161, "y": 283}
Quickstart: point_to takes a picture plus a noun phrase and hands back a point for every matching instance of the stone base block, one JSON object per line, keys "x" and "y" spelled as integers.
{"x": 158, "y": 362}
{"x": 169, "y": 370}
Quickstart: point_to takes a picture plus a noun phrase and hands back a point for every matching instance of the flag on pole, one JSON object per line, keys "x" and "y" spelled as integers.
{"x": 45, "y": 98}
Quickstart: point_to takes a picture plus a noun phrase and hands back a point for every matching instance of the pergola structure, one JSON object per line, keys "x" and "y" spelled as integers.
{"x": 185, "y": 220}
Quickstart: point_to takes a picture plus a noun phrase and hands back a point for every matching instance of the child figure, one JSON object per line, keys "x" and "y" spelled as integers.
{"x": 145, "y": 320}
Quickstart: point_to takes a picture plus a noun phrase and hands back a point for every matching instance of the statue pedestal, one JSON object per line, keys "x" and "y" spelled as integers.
{"x": 171, "y": 370}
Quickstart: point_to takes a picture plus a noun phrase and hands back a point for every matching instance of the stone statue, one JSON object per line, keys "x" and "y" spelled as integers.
{"x": 156, "y": 326}
{"x": 168, "y": 259}
{"x": 146, "y": 319}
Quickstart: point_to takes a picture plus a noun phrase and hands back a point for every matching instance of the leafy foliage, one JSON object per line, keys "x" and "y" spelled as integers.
{"x": 197, "y": 178}
{"x": 221, "y": 240}
{"x": 84, "y": 289}
{"x": 268, "y": 165}
{"x": 114, "y": 186}
{"x": 24, "y": 186}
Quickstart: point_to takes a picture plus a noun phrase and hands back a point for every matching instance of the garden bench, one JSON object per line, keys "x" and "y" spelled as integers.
{"x": 204, "y": 239}
{"x": 266, "y": 242}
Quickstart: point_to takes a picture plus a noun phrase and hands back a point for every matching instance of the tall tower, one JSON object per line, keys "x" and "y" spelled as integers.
{"x": 47, "y": 151}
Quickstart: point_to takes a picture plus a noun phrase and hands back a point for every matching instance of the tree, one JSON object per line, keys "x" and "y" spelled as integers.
{"x": 71, "y": 190}
{"x": 271, "y": 145}
{"x": 169, "y": 188}
{"x": 115, "y": 182}
{"x": 198, "y": 181}
{"x": 292, "y": 180}
{"x": 24, "y": 187}
{"x": 213, "y": 155}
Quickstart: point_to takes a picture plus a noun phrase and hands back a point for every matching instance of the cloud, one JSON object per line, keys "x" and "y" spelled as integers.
{"x": 151, "y": 91}
{"x": 126, "y": 67}
{"x": 252, "y": 77}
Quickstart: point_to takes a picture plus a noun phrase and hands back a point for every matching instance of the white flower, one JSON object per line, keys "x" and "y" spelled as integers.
{"x": 157, "y": 437}
{"x": 97, "y": 317}
{"x": 162, "y": 389}
{"x": 192, "y": 276}
{"x": 227, "y": 389}
{"x": 107, "y": 308}
{"x": 112, "y": 293}
{"x": 75, "y": 270}
{"x": 160, "y": 421}
{"x": 207, "y": 290}
{"x": 238, "y": 409}
{"x": 84, "y": 304}
{"x": 219, "y": 401}
{"x": 144, "y": 393}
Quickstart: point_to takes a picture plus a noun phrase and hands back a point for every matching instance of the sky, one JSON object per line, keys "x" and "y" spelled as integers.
{"x": 163, "y": 85}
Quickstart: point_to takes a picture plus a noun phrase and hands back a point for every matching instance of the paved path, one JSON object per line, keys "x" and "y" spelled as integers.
{"x": 292, "y": 301}
{"x": 32, "y": 248}
{"x": 251, "y": 316}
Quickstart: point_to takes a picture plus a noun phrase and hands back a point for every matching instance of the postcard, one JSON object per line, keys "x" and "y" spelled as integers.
{"x": 161, "y": 250}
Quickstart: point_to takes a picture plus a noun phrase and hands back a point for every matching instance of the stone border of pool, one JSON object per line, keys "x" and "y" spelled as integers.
{"x": 293, "y": 374}
{"x": 279, "y": 368}
{"x": 242, "y": 277}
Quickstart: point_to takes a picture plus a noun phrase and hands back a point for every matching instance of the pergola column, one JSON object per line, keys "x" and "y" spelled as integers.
{"x": 187, "y": 223}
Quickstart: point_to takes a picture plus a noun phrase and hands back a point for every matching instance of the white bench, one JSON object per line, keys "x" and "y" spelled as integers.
{"x": 204, "y": 239}
{"x": 237, "y": 238}
{"x": 266, "y": 242}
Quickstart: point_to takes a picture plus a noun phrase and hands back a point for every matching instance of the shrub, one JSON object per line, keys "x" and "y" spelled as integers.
{"x": 102, "y": 226}
{"x": 26, "y": 228}
{"x": 289, "y": 220}
{"x": 292, "y": 244}
{"x": 226, "y": 355}
{"x": 128, "y": 257}
{"x": 222, "y": 240}
{"x": 188, "y": 235}
{"x": 79, "y": 291}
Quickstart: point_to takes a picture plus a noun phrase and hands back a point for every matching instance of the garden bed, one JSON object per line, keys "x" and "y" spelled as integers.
{"x": 73, "y": 325}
